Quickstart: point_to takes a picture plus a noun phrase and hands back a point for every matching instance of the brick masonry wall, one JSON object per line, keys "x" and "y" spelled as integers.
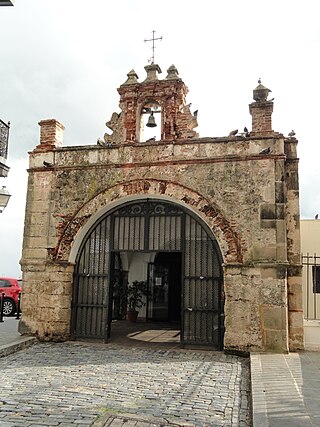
{"x": 261, "y": 117}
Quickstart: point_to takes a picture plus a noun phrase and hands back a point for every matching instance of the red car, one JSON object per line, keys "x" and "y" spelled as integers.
{"x": 11, "y": 288}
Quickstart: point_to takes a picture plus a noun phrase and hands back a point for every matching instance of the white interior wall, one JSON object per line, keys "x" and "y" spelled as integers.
{"x": 136, "y": 263}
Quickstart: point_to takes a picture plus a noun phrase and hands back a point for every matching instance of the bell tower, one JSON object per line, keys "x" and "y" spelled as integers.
{"x": 153, "y": 103}
{"x": 153, "y": 110}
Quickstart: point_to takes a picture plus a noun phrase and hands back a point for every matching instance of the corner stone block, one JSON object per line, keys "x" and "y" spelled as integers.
{"x": 268, "y": 211}
{"x": 276, "y": 341}
{"x": 273, "y": 317}
{"x": 268, "y": 273}
{"x": 238, "y": 315}
{"x": 295, "y": 320}
{"x": 295, "y": 297}
{"x": 274, "y": 327}
{"x": 264, "y": 253}
{"x": 280, "y": 211}
{"x": 296, "y": 339}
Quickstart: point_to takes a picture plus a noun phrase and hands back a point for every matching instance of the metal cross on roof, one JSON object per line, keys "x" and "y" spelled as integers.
{"x": 153, "y": 47}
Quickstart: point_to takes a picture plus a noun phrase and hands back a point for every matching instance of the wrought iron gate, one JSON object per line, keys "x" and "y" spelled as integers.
{"x": 150, "y": 226}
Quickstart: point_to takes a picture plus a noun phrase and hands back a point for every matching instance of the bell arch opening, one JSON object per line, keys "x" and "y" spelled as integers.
{"x": 150, "y": 122}
{"x": 170, "y": 253}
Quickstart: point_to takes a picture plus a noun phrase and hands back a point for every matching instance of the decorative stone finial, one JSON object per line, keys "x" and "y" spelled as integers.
{"x": 260, "y": 93}
{"x": 152, "y": 71}
{"x": 172, "y": 73}
{"x": 132, "y": 78}
{"x": 261, "y": 111}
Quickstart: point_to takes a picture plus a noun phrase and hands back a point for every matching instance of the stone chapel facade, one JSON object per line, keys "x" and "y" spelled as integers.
{"x": 210, "y": 224}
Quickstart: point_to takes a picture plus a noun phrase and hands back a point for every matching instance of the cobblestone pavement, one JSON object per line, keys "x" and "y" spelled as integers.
{"x": 74, "y": 383}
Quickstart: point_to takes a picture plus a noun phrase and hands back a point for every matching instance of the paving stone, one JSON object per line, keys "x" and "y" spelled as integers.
{"x": 74, "y": 383}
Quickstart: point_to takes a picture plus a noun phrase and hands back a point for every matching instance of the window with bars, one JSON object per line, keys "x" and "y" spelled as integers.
{"x": 316, "y": 279}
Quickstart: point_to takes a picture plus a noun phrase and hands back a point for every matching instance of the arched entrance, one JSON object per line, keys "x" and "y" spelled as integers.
{"x": 166, "y": 246}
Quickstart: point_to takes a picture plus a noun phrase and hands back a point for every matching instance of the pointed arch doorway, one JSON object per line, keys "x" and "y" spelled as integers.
{"x": 167, "y": 247}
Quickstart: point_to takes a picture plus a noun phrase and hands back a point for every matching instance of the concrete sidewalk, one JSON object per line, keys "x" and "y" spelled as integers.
{"x": 10, "y": 339}
{"x": 286, "y": 389}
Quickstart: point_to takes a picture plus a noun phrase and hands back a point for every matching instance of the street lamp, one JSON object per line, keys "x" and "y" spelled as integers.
{"x": 4, "y": 198}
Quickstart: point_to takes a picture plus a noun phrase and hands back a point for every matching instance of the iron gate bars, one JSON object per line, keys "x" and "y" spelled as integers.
{"x": 151, "y": 226}
{"x": 311, "y": 286}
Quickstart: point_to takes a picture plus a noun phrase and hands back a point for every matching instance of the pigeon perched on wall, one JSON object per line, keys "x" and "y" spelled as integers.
{"x": 291, "y": 134}
{"x": 266, "y": 151}
{"x": 233, "y": 132}
{"x": 48, "y": 164}
{"x": 246, "y": 133}
{"x": 101, "y": 142}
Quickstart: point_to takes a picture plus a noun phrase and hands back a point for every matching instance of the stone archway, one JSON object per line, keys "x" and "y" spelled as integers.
{"x": 72, "y": 229}
{"x": 147, "y": 226}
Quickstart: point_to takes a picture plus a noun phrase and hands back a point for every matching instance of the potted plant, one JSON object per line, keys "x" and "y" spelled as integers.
{"x": 135, "y": 297}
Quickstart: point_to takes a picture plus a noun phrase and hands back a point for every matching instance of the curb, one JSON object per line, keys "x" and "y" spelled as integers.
{"x": 20, "y": 344}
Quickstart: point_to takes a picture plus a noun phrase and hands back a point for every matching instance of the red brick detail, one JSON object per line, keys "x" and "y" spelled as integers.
{"x": 51, "y": 134}
{"x": 67, "y": 229}
{"x": 206, "y": 209}
{"x": 261, "y": 113}
{"x": 136, "y": 187}
{"x": 235, "y": 244}
{"x": 170, "y": 95}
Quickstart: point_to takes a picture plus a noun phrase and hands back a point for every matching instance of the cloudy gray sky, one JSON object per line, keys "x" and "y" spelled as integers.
{"x": 64, "y": 59}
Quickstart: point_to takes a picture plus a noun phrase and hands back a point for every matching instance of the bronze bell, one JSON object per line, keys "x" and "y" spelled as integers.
{"x": 151, "y": 121}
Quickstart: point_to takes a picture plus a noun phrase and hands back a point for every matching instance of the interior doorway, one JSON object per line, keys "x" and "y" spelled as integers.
{"x": 162, "y": 279}
{"x": 160, "y": 312}
{"x": 164, "y": 288}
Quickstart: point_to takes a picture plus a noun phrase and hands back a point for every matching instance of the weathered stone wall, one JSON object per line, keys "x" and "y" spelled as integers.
{"x": 244, "y": 187}
{"x": 294, "y": 280}
{"x": 236, "y": 190}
